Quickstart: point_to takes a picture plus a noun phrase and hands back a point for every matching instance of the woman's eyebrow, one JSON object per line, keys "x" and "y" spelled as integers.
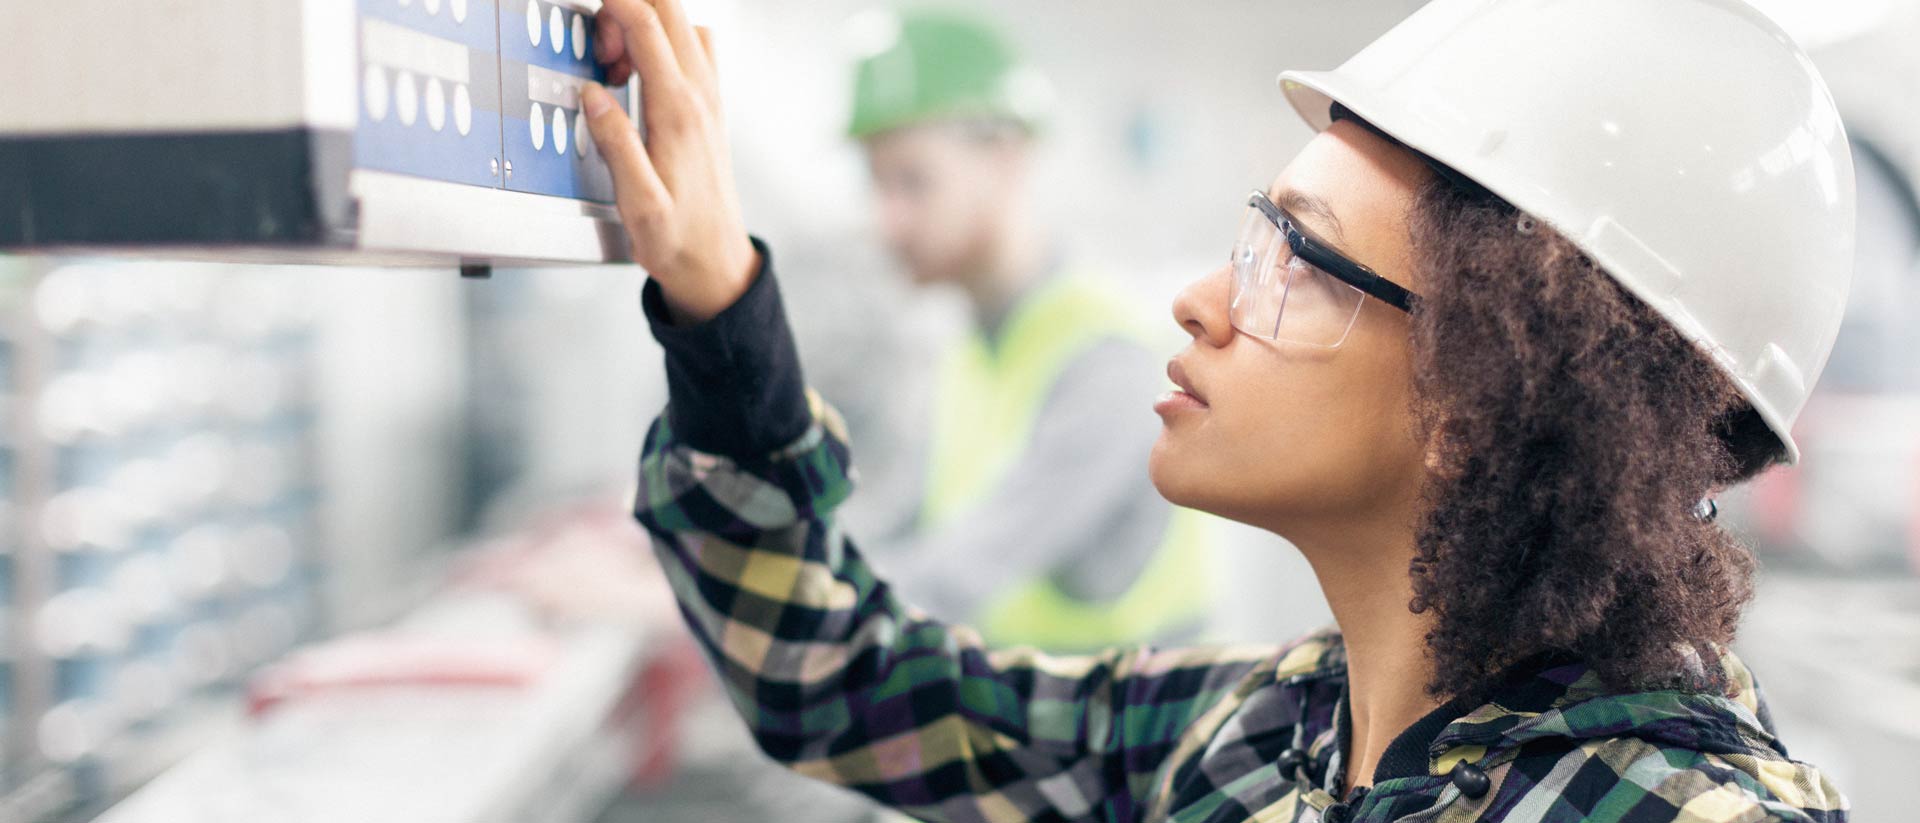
{"x": 1300, "y": 203}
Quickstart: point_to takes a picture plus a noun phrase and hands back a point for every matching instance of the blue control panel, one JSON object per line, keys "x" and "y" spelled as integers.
{"x": 480, "y": 92}
{"x": 546, "y": 53}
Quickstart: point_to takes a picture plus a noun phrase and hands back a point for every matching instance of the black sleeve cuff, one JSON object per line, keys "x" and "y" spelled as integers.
{"x": 733, "y": 382}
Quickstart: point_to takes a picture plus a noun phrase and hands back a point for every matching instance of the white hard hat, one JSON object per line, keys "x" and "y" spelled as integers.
{"x": 1687, "y": 146}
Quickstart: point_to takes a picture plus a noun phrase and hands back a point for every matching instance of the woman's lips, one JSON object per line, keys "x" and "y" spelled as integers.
{"x": 1185, "y": 397}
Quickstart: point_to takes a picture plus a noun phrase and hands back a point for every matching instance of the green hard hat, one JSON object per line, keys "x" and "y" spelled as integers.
{"x": 930, "y": 65}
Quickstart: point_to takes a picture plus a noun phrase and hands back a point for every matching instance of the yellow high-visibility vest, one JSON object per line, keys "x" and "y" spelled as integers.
{"x": 987, "y": 403}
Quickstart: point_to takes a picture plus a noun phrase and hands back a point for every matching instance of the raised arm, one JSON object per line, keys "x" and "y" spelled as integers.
{"x": 835, "y": 675}
{"x": 738, "y": 484}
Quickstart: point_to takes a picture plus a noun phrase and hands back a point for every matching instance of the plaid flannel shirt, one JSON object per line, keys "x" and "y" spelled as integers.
{"x": 843, "y": 682}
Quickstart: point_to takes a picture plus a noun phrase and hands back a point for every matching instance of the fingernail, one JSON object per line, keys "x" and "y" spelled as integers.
{"x": 595, "y": 100}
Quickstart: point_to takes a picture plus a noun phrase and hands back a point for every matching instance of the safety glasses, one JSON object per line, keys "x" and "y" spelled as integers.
{"x": 1290, "y": 286}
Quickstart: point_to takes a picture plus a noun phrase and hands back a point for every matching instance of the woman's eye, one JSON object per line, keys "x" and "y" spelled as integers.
{"x": 1294, "y": 266}
{"x": 1285, "y": 261}
{"x": 1308, "y": 278}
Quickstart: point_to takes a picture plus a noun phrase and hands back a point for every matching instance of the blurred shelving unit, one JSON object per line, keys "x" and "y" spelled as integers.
{"x": 549, "y": 737}
{"x": 159, "y": 531}
{"x": 211, "y": 470}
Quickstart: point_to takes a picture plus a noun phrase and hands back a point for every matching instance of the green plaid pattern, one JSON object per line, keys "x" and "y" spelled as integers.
{"x": 844, "y": 682}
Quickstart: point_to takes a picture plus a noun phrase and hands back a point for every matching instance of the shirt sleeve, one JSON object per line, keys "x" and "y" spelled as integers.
{"x": 833, "y": 674}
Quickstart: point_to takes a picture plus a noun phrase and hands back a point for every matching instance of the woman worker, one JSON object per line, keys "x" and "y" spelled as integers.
{"x": 1551, "y": 274}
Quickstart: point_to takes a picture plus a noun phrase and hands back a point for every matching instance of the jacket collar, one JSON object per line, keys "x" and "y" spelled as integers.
{"x": 1566, "y": 700}
{"x": 1552, "y": 696}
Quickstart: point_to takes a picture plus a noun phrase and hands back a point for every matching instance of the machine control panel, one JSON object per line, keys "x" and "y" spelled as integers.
{"x": 410, "y": 132}
{"x": 483, "y": 92}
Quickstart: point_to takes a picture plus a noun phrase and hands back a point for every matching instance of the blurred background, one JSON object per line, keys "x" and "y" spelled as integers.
{"x": 228, "y": 490}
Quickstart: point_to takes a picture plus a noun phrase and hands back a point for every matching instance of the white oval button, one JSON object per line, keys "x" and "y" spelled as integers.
{"x": 537, "y": 127}
{"x": 462, "y": 109}
{"x": 580, "y": 134}
{"x": 406, "y": 97}
{"x": 436, "y": 104}
{"x": 579, "y": 37}
{"x": 533, "y": 22}
{"x": 557, "y": 29}
{"x": 459, "y": 9}
{"x": 560, "y": 132}
{"x": 373, "y": 91}
{"x": 432, "y": 7}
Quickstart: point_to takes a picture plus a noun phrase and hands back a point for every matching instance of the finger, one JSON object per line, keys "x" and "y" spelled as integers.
{"x": 609, "y": 42}
{"x": 686, "y": 44}
{"x": 664, "y": 85}
{"x": 610, "y": 50}
{"x": 636, "y": 185}
{"x": 706, "y": 46}
{"x": 713, "y": 65}
{"x": 647, "y": 40}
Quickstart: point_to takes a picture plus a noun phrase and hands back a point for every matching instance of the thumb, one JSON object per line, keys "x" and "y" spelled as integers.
{"x": 636, "y": 185}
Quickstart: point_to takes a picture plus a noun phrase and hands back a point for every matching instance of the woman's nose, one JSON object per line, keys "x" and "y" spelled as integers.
{"x": 1201, "y": 308}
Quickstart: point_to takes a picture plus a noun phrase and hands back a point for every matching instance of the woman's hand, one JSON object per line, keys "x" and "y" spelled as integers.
{"x": 675, "y": 193}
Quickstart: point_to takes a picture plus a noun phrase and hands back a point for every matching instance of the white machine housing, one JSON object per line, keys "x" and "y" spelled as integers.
{"x": 364, "y": 132}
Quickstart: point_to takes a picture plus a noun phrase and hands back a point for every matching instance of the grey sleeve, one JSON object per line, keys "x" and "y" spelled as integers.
{"x": 1077, "y": 506}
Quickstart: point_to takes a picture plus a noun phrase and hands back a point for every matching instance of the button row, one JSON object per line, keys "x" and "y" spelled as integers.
{"x": 555, "y": 30}
{"x": 457, "y": 7}
{"x": 404, "y": 100}
{"x": 537, "y": 130}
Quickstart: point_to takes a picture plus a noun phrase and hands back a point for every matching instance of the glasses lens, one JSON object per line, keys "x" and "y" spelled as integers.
{"x": 1277, "y": 296}
{"x": 1319, "y": 309}
{"x": 1259, "y": 286}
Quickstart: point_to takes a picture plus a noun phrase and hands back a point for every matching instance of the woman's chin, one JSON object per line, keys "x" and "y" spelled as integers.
{"x": 1173, "y": 475}
{"x": 1186, "y": 479}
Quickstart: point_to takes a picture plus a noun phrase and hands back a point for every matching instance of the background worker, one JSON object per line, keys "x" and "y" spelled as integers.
{"x": 1036, "y": 521}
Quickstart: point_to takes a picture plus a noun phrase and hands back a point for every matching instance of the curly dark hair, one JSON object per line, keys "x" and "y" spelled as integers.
{"x": 1573, "y": 431}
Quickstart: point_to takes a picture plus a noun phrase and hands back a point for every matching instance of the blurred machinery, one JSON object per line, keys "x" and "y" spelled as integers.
{"x": 437, "y": 132}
